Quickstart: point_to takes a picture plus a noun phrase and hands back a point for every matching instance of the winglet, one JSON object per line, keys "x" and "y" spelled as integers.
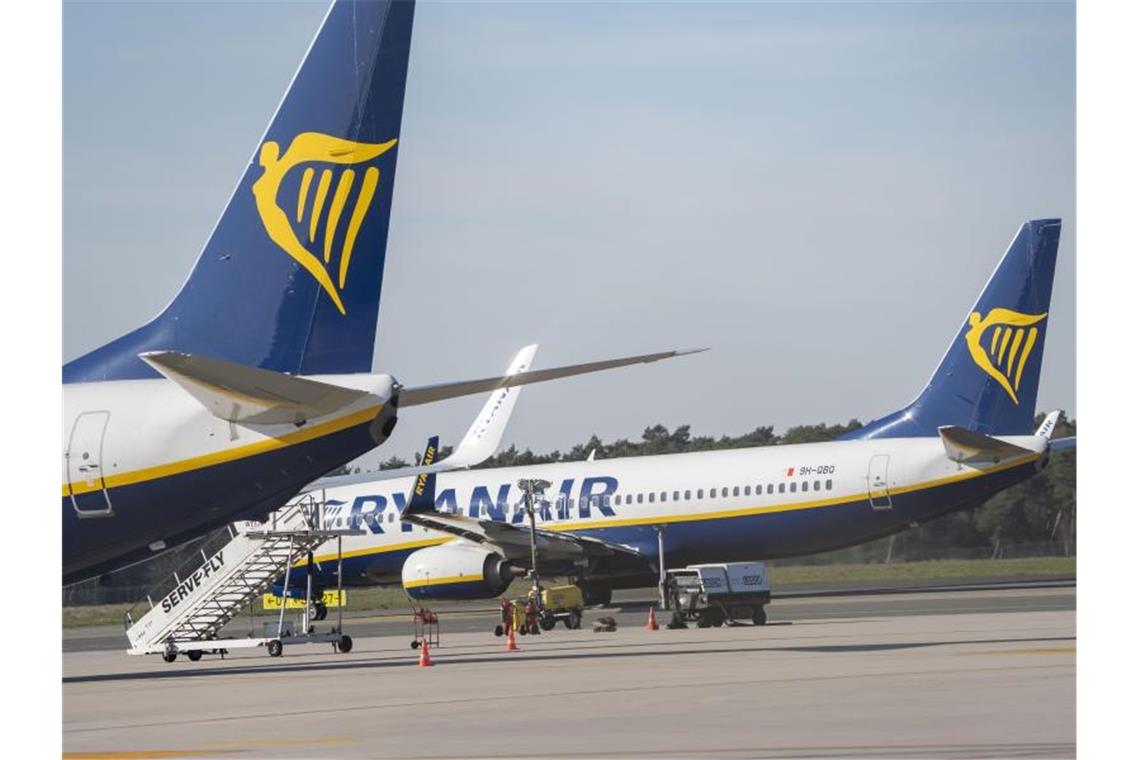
{"x": 1047, "y": 425}
{"x": 486, "y": 432}
{"x": 423, "y": 490}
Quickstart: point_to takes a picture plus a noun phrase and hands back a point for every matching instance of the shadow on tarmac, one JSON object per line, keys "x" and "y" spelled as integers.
{"x": 398, "y": 661}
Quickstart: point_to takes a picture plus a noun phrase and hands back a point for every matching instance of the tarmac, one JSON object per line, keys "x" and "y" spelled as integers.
{"x": 958, "y": 673}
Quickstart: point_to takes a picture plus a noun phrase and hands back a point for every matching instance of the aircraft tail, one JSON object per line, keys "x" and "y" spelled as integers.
{"x": 987, "y": 380}
{"x": 289, "y": 280}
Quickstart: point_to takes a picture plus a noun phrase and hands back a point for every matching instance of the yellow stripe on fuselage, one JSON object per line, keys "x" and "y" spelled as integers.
{"x": 373, "y": 550}
{"x": 698, "y": 516}
{"x": 225, "y": 455}
{"x": 443, "y": 581}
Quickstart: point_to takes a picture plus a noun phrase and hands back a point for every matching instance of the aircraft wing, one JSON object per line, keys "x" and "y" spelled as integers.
{"x": 427, "y": 394}
{"x": 513, "y": 541}
{"x": 481, "y": 441}
{"x": 510, "y": 540}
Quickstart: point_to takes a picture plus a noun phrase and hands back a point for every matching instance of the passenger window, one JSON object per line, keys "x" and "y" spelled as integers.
{"x": 747, "y": 490}
{"x": 828, "y": 485}
{"x": 736, "y": 490}
{"x": 700, "y": 493}
{"x": 781, "y": 488}
{"x": 724, "y": 493}
{"x": 688, "y": 495}
{"x": 664, "y": 496}
{"x": 676, "y": 496}
{"x": 639, "y": 498}
{"x": 769, "y": 488}
{"x": 815, "y": 486}
{"x": 651, "y": 495}
{"x": 805, "y": 486}
{"x": 391, "y": 516}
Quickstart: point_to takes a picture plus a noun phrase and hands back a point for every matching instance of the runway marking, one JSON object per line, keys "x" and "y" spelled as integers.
{"x": 146, "y": 754}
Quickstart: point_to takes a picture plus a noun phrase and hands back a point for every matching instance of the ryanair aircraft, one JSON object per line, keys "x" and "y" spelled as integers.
{"x": 605, "y": 523}
{"x": 256, "y": 378}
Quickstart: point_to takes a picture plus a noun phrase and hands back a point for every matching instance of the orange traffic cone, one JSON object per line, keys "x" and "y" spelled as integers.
{"x": 651, "y": 624}
{"x": 512, "y": 646}
{"x": 425, "y": 655}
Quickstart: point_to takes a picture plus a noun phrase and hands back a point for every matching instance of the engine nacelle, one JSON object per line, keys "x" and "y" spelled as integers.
{"x": 456, "y": 571}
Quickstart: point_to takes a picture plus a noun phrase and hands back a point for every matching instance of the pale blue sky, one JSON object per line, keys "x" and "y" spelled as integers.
{"x": 817, "y": 191}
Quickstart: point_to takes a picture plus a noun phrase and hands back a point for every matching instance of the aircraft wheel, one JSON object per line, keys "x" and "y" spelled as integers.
{"x": 499, "y": 630}
{"x": 274, "y": 648}
{"x": 759, "y": 616}
{"x": 344, "y": 644}
{"x": 415, "y": 643}
{"x": 705, "y": 620}
{"x": 320, "y": 611}
{"x": 547, "y": 622}
{"x": 194, "y": 655}
{"x": 534, "y": 629}
{"x": 573, "y": 620}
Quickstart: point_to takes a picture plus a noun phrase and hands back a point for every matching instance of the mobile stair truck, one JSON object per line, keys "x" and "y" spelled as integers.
{"x": 187, "y": 613}
{"x": 717, "y": 594}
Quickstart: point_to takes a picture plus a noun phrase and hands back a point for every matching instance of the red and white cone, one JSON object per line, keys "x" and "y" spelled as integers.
{"x": 512, "y": 645}
{"x": 651, "y": 624}
{"x": 425, "y": 656}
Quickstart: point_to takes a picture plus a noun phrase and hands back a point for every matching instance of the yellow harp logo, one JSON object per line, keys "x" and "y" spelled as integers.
{"x": 1012, "y": 337}
{"x": 313, "y": 147}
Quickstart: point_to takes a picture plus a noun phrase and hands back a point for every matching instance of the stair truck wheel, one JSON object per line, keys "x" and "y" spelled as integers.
{"x": 499, "y": 630}
{"x": 547, "y": 621}
{"x": 534, "y": 629}
{"x": 344, "y": 644}
{"x": 274, "y": 648}
{"x": 574, "y": 619}
{"x": 194, "y": 655}
{"x": 415, "y": 643}
{"x": 759, "y": 616}
{"x": 169, "y": 656}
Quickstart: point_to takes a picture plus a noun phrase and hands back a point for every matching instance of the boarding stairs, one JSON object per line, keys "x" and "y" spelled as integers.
{"x": 188, "y": 611}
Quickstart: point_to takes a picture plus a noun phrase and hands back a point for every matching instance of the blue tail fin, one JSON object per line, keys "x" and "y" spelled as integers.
{"x": 987, "y": 380}
{"x": 290, "y": 278}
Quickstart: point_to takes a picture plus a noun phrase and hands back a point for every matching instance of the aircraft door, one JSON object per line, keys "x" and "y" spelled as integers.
{"x": 877, "y": 489}
{"x": 85, "y": 481}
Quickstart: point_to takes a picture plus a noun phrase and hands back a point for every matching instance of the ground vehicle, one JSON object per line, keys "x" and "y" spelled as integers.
{"x": 714, "y": 594}
{"x": 561, "y": 603}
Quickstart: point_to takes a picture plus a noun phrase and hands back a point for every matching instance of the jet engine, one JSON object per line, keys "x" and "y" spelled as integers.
{"x": 456, "y": 571}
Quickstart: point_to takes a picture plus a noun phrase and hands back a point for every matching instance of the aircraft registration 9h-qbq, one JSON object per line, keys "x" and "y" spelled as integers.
{"x": 605, "y": 523}
{"x": 257, "y": 377}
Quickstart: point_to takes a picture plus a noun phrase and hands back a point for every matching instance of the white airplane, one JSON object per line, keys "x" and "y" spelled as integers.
{"x": 606, "y": 523}
{"x": 257, "y": 377}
